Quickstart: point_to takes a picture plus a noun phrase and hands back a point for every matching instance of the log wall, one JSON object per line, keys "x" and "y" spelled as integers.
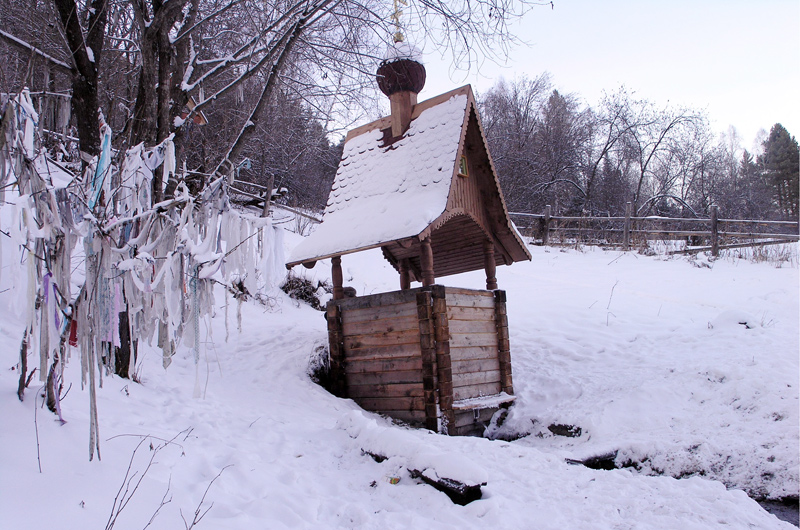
{"x": 382, "y": 356}
{"x": 412, "y": 354}
{"x": 473, "y": 343}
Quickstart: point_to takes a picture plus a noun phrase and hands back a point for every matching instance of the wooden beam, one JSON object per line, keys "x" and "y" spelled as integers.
{"x": 429, "y": 369}
{"x": 336, "y": 276}
{"x": 426, "y": 261}
{"x": 405, "y": 276}
{"x": 503, "y": 347}
{"x": 336, "y": 350}
{"x": 441, "y": 333}
{"x": 489, "y": 265}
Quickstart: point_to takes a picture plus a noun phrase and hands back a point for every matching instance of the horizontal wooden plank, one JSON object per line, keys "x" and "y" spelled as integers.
{"x": 473, "y": 391}
{"x": 458, "y": 340}
{"x": 472, "y": 326}
{"x": 472, "y": 352}
{"x": 474, "y": 365}
{"x": 469, "y": 292}
{"x": 410, "y": 416}
{"x": 388, "y": 351}
{"x": 469, "y": 313}
{"x": 468, "y": 300}
{"x": 476, "y": 378}
{"x": 410, "y": 336}
{"x": 387, "y": 325}
{"x": 379, "y": 300}
{"x": 390, "y": 404}
{"x": 355, "y": 366}
{"x": 388, "y": 390}
{"x": 372, "y": 313}
{"x": 384, "y": 378}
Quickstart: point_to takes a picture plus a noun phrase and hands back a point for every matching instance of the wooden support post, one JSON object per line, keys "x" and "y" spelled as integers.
{"x": 489, "y": 265}
{"x": 441, "y": 332}
{"x": 268, "y": 196}
{"x": 503, "y": 346}
{"x": 714, "y": 231}
{"x": 426, "y": 262}
{"x": 336, "y": 350}
{"x": 626, "y": 228}
{"x": 336, "y": 276}
{"x": 405, "y": 274}
{"x": 546, "y": 229}
{"x": 427, "y": 343}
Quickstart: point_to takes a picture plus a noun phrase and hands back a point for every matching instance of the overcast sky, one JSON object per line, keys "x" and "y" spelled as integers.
{"x": 737, "y": 60}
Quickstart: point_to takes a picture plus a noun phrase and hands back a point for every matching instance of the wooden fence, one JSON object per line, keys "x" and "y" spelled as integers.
{"x": 710, "y": 234}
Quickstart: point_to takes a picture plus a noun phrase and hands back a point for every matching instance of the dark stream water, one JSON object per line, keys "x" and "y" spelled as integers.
{"x": 785, "y": 511}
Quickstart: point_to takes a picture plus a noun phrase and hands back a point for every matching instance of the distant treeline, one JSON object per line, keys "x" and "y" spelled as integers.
{"x": 549, "y": 148}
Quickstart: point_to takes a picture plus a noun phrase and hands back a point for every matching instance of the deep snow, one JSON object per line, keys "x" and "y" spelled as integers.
{"x": 645, "y": 354}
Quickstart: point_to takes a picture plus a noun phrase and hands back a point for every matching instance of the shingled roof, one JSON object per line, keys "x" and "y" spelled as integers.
{"x": 392, "y": 192}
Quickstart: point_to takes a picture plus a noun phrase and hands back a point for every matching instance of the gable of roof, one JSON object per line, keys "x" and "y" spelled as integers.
{"x": 392, "y": 193}
{"x": 383, "y": 192}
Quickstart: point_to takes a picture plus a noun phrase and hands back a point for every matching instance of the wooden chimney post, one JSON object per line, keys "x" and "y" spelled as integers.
{"x": 426, "y": 262}
{"x": 490, "y": 265}
{"x": 336, "y": 276}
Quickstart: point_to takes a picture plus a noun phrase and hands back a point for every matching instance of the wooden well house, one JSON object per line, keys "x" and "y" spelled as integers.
{"x": 420, "y": 184}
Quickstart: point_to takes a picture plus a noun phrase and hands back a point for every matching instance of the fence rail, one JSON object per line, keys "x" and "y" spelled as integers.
{"x": 710, "y": 234}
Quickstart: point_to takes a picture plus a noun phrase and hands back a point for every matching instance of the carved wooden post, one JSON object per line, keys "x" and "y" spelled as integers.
{"x": 427, "y": 343}
{"x": 714, "y": 231}
{"x": 546, "y": 229}
{"x": 336, "y": 276}
{"x": 503, "y": 346}
{"x": 441, "y": 332}
{"x": 426, "y": 261}
{"x": 626, "y": 228}
{"x": 489, "y": 265}
{"x": 405, "y": 278}
{"x": 336, "y": 350}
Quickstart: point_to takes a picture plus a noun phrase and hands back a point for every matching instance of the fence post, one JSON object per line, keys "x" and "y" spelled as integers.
{"x": 546, "y": 229}
{"x": 714, "y": 231}
{"x": 626, "y": 228}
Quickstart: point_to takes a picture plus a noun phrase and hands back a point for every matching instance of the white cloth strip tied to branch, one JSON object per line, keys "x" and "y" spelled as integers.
{"x": 156, "y": 262}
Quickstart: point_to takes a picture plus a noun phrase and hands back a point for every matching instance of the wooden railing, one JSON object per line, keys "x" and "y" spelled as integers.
{"x": 710, "y": 234}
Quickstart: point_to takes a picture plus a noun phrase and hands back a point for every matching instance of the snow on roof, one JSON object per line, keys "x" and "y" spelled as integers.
{"x": 382, "y": 194}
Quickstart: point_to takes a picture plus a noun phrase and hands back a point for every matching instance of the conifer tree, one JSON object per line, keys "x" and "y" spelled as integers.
{"x": 781, "y": 164}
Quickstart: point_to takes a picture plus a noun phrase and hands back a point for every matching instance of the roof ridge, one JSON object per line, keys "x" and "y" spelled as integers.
{"x": 386, "y": 121}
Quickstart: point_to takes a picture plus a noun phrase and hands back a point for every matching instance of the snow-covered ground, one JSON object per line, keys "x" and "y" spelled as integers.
{"x": 646, "y": 355}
